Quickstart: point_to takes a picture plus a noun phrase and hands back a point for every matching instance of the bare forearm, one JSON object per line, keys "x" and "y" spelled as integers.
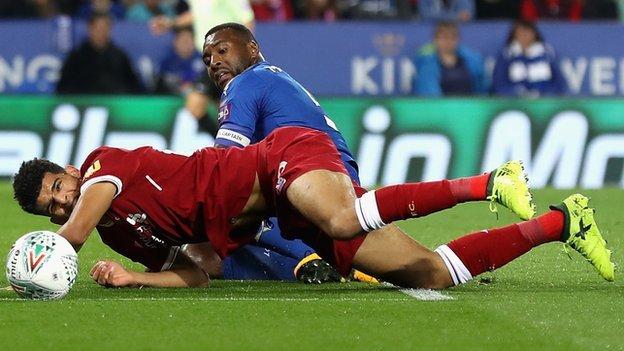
{"x": 89, "y": 209}
{"x": 176, "y": 278}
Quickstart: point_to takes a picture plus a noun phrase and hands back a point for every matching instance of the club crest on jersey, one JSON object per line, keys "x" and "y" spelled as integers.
{"x": 93, "y": 168}
{"x": 280, "y": 180}
{"x": 224, "y": 112}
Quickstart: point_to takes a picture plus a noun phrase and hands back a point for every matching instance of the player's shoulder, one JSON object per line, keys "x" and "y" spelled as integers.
{"x": 93, "y": 162}
{"x": 97, "y": 153}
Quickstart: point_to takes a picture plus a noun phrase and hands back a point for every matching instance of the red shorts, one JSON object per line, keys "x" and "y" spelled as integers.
{"x": 285, "y": 155}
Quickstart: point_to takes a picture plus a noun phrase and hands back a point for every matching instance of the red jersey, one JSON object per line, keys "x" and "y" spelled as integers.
{"x": 164, "y": 200}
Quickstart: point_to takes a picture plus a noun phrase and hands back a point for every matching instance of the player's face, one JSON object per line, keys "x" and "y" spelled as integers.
{"x": 59, "y": 194}
{"x": 226, "y": 56}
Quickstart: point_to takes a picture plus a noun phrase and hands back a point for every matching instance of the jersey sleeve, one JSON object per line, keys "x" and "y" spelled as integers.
{"x": 115, "y": 166}
{"x": 155, "y": 259}
{"x": 241, "y": 108}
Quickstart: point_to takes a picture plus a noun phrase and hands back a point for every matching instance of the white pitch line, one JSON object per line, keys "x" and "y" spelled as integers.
{"x": 191, "y": 299}
{"x": 422, "y": 294}
{"x": 418, "y": 294}
{"x": 426, "y": 294}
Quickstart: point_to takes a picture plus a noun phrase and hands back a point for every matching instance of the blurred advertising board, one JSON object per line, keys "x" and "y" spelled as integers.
{"x": 564, "y": 143}
{"x": 344, "y": 58}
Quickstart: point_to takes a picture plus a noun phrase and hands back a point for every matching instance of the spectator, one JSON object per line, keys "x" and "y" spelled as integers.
{"x": 527, "y": 66}
{"x": 97, "y": 66}
{"x": 317, "y": 10}
{"x": 446, "y": 10}
{"x": 143, "y": 11}
{"x": 203, "y": 15}
{"x": 110, "y": 7}
{"x": 444, "y": 67}
{"x": 202, "y": 101}
{"x": 181, "y": 66}
{"x": 272, "y": 10}
{"x": 381, "y": 9}
{"x": 28, "y": 8}
{"x": 533, "y": 10}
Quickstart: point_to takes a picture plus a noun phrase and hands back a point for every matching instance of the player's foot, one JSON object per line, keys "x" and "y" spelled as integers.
{"x": 363, "y": 277}
{"x": 508, "y": 186}
{"x": 581, "y": 233}
{"x": 313, "y": 270}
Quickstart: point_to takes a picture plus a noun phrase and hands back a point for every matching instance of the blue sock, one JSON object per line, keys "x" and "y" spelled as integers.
{"x": 252, "y": 262}
{"x": 271, "y": 238}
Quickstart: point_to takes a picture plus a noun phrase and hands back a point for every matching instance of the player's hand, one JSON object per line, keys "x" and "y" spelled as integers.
{"x": 112, "y": 274}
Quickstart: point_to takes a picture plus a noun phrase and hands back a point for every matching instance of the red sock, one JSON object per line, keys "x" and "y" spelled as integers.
{"x": 470, "y": 188}
{"x": 545, "y": 228}
{"x": 491, "y": 249}
{"x": 409, "y": 200}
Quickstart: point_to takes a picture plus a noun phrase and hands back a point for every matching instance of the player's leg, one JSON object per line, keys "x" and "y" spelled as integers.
{"x": 571, "y": 222}
{"x": 325, "y": 198}
{"x": 252, "y": 262}
{"x": 409, "y": 264}
{"x": 270, "y": 237}
{"x": 392, "y": 256}
{"x": 310, "y": 267}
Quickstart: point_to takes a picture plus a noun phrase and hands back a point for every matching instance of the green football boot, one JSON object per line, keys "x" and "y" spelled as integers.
{"x": 508, "y": 186}
{"x": 581, "y": 233}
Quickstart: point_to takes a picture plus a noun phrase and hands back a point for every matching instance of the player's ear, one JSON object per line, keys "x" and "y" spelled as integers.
{"x": 73, "y": 171}
{"x": 254, "y": 50}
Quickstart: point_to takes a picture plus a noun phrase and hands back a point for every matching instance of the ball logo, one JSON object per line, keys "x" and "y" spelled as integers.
{"x": 35, "y": 257}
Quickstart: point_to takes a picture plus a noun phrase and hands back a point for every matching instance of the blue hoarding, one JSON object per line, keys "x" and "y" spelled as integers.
{"x": 345, "y": 58}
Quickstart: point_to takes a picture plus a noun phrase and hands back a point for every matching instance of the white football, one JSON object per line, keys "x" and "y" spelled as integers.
{"x": 42, "y": 265}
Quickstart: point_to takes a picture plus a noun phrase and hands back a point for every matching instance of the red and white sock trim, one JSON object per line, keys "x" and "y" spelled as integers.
{"x": 368, "y": 212}
{"x": 455, "y": 266}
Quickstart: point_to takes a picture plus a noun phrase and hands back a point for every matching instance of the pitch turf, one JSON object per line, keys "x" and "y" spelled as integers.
{"x": 542, "y": 301}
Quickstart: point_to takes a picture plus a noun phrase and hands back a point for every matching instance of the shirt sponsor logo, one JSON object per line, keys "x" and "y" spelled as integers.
{"x": 143, "y": 227}
{"x": 224, "y": 112}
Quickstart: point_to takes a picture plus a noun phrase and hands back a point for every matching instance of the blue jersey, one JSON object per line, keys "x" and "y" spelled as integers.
{"x": 264, "y": 98}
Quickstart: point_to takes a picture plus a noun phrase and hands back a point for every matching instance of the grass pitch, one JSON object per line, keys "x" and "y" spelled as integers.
{"x": 544, "y": 300}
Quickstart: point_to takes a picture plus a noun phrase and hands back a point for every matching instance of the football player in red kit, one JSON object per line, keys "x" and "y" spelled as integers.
{"x": 296, "y": 174}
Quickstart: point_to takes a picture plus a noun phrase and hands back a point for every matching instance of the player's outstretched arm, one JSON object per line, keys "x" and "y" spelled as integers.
{"x": 181, "y": 275}
{"x": 90, "y": 207}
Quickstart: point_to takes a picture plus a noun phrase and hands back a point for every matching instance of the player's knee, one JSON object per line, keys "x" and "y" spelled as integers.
{"x": 427, "y": 273}
{"x": 342, "y": 227}
{"x": 438, "y": 277}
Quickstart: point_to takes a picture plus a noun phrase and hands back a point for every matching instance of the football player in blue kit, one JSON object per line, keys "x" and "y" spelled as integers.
{"x": 257, "y": 98}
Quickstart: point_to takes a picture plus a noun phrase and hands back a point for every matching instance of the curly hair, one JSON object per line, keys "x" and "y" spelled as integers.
{"x": 243, "y": 32}
{"x": 27, "y": 182}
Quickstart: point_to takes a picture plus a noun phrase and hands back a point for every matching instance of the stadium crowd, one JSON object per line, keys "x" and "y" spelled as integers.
{"x": 329, "y": 10}
{"x": 526, "y": 66}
